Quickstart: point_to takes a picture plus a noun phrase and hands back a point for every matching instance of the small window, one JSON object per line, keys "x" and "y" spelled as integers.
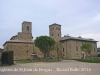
{"x": 63, "y": 49}
{"x": 59, "y": 28}
{"x": 58, "y": 34}
{"x": 77, "y": 54}
{"x": 27, "y": 28}
{"x": 76, "y": 48}
{"x": 70, "y": 47}
{"x": 76, "y": 42}
{"x": 57, "y": 48}
{"x": 94, "y": 49}
{"x": 52, "y": 34}
{"x": 27, "y": 51}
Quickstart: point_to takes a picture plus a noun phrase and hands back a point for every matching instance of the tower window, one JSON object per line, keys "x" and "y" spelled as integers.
{"x": 63, "y": 49}
{"x": 58, "y": 34}
{"x": 76, "y": 42}
{"x": 76, "y": 48}
{"x": 27, "y": 28}
{"x": 94, "y": 49}
{"x": 59, "y": 28}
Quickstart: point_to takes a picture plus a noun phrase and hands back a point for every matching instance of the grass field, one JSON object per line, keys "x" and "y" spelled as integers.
{"x": 41, "y": 60}
{"x": 93, "y": 60}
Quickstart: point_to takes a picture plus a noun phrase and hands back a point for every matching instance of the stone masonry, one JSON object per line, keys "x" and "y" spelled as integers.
{"x": 66, "y": 47}
{"x": 22, "y": 43}
{"x": 69, "y": 47}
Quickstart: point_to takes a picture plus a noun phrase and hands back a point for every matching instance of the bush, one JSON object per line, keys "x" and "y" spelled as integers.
{"x": 7, "y": 58}
{"x": 94, "y": 60}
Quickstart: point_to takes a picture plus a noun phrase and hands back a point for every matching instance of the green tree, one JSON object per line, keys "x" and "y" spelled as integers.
{"x": 87, "y": 48}
{"x": 45, "y": 44}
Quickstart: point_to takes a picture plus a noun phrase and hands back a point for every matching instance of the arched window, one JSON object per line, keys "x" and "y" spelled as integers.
{"x": 28, "y": 28}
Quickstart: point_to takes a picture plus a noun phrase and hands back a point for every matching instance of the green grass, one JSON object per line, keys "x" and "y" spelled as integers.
{"x": 93, "y": 60}
{"x": 23, "y": 61}
{"x": 41, "y": 60}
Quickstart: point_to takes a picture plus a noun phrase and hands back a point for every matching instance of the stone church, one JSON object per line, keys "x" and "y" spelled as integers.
{"x": 66, "y": 47}
{"x": 22, "y": 43}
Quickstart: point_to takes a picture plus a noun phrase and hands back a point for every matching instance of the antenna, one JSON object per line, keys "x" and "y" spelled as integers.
{"x": 79, "y": 34}
{"x": 55, "y": 17}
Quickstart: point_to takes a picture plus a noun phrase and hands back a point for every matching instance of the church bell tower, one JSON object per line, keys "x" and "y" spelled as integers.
{"x": 26, "y": 27}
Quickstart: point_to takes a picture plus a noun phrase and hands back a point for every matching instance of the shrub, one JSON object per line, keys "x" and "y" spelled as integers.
{"x": 7, "y": 57}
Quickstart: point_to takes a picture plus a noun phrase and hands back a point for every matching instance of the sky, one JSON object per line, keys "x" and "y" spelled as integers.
{"x": 76, "y": 17}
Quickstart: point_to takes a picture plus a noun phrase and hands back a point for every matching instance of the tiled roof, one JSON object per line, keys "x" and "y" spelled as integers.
{"x": 55, "y": 24}
{"x": 77, "y": 38}
{"x": 17, "y": 41}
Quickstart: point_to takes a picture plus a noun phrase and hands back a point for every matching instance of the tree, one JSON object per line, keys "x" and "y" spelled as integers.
{"x": 45, "y": 44}
{"x": 87, "y": 48}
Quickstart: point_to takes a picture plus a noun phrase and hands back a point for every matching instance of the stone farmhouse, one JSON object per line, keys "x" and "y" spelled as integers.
{"x": 66, "y": 47}
{"x": 98, "y": 50}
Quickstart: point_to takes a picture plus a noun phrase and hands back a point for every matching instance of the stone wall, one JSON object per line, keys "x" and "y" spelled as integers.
{"x": 71, "y": 49}
{"x": 24, "y": 36}
{"x": 22, "y": 50}
{"x": 22, "y": 43}
{"x": 38, "y": 52}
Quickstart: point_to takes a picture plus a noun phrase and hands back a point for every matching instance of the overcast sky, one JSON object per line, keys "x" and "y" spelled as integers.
{"x": 77, "y": 17}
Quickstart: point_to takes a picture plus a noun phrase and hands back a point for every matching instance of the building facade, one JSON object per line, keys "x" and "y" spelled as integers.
{"x": 66, "y": 47}
{"x": 69, "y": 47}
{"x": 22, "y": 43}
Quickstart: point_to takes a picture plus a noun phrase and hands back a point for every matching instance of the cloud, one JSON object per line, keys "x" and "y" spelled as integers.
{"x": 76, "y": 17}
